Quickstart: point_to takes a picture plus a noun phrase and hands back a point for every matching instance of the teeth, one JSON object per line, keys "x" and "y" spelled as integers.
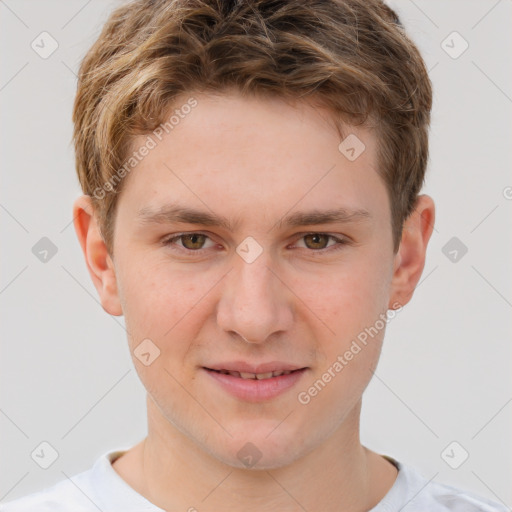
{"x": 261, "y": 376}
{"x": 257, "y": 376}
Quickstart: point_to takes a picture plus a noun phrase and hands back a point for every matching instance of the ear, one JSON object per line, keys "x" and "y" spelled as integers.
{"x": 98, "y": 261}
{"x": 410, "y": 258}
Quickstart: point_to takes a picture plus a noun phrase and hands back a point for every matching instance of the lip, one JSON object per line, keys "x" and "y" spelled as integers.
{"x": 254, "y": 390}
{"x": 243, "y": 366}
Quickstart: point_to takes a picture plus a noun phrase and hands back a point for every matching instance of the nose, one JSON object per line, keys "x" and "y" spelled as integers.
{"x": 255, "y": 302}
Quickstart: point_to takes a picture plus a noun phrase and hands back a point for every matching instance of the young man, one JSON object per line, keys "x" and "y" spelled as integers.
{"x": 251, "y": 174}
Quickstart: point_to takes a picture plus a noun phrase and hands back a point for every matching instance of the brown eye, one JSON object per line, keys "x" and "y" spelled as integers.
{"x": 316, "y": 240}
{"x": 193, "y": 241}
{"x": 190, "y": 244}
{"x": 321, "y": 244}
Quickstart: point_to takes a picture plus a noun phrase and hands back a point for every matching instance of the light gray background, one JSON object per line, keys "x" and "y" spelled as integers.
{"x": 66, "y": 376}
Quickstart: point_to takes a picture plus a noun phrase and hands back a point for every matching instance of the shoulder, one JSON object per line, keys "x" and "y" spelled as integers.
{"x": 64, "y": 496}
{"x": 453, "y": 499}
{"x": 98, "y": 488}
{"x": 412, "y": 492}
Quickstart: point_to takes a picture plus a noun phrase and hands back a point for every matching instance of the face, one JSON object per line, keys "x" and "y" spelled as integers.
{"x": 272, "y": 288}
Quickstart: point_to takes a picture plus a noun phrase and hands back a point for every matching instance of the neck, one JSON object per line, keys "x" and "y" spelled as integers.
{"x": 172, "y": 472}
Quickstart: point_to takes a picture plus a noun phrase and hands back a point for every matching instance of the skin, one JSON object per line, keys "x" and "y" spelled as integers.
{"x": 255, "y": 160}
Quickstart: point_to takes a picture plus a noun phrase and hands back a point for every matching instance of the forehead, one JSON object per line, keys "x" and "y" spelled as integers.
{"x": 253, "y": 155}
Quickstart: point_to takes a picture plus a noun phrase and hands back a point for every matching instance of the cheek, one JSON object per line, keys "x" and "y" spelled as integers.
{"x": 160, "y": 305}
{"x": 155, "y": 299}
{"x": 346, "y": 299}
{"x": 166, "y": 304}
{"x": 351, "y": 304}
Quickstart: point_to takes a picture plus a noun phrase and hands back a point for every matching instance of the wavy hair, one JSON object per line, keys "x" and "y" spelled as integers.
{"x": 351, "y": 56}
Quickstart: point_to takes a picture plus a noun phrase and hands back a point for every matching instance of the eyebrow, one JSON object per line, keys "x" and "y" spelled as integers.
{"x": 169, "y": 214}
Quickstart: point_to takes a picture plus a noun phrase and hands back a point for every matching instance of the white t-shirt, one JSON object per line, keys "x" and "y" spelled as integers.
{"x": 101, "y": 488}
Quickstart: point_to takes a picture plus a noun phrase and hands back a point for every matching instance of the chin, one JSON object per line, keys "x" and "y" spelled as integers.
{"x": 260, "y": 452}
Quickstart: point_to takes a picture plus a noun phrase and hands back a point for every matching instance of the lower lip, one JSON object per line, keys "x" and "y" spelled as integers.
{"x": 253, "y": 390}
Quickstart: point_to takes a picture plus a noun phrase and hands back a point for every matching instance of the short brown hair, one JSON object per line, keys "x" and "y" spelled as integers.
{"x": 351, "y": 56}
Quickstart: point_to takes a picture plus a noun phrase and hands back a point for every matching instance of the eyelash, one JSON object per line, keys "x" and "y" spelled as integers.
{"x": 341, "y": 242}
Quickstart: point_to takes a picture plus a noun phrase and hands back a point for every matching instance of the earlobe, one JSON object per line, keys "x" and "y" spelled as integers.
{"x": 410, "y": 259}
{"x": 98, "y": 261}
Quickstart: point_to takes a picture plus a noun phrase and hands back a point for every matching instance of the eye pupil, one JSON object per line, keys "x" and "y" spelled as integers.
{"x": 316, "y": 237}
{"x": 194, "y": 237}
{"x": 316, "y": 242}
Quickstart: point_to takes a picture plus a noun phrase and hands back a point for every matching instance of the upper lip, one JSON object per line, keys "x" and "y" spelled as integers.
{"x": 243, "y": 366}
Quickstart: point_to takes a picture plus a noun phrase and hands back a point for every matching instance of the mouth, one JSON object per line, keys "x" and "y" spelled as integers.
{"x": 256, "y": 386}
{"x": 255, "y": 376}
